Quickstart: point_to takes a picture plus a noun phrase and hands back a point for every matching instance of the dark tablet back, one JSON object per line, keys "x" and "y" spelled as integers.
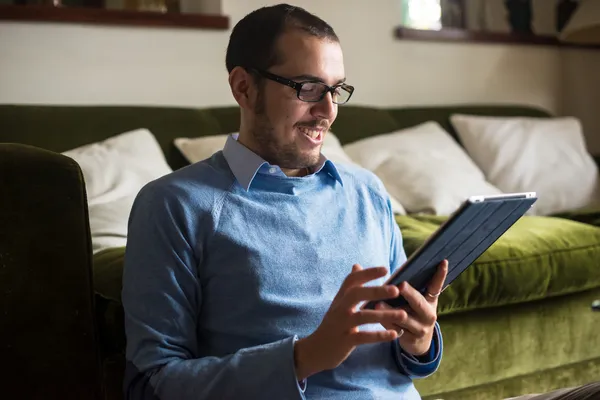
{"x": 467, "y": 233}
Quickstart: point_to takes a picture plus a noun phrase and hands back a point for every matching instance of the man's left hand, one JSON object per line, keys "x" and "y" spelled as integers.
{"x": 416, "y": 324}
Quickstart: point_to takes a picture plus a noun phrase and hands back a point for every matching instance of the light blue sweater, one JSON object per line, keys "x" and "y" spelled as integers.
{"x": 229, "y": 261}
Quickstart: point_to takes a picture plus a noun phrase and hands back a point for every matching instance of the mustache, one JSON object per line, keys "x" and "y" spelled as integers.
{"x": 315, "y": 124}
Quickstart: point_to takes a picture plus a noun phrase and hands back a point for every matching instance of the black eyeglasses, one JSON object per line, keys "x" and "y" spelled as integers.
{"x": 312, "y": 91}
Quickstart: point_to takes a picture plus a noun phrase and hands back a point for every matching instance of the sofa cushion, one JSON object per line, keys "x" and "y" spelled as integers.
{"x": 115, "y": 170}
{"x": 538, "y": 257}
{"x": 423, "y": 167}
{"x": 108, "y": 273}
{"x": 522, "y": 154}
{"x": 107, "y": 277}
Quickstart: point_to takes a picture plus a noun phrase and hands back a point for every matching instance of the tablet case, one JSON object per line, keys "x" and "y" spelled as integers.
{"x": 469, "y": 232}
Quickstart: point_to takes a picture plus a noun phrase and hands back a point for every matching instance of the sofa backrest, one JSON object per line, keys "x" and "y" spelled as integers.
{"x": 61, "y": 128}
{"x": 355, "y": 122}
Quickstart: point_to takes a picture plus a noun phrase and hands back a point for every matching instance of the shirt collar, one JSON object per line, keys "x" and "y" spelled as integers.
{"x": 245, "y": 164}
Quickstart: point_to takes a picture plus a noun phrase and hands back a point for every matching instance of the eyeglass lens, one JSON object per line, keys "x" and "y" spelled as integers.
{"x": 314, "y": 91}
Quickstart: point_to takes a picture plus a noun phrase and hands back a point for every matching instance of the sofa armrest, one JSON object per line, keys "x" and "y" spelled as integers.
{"x": 48, "y": 337}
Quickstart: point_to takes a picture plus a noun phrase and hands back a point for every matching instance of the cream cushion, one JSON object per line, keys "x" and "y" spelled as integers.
{"x": 114, "y": 171}
{"x": 543, "y": 155}
{"x": 423, "y": 167}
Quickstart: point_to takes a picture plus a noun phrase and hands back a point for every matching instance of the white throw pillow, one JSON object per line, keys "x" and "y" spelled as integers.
{"x": 201, "y": 148}
{"x": 114, "y": 171}
{"x": 423, "y": 167}
{"x": 543, "y": 155}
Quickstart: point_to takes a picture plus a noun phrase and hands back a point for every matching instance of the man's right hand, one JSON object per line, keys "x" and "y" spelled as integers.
{"x": 338, "y": 335}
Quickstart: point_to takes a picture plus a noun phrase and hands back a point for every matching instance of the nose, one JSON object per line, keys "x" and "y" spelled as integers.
{"x": 325, "y": 109}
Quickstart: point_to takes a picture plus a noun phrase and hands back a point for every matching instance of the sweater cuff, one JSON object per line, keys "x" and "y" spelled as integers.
{"x": 424, "y": 365}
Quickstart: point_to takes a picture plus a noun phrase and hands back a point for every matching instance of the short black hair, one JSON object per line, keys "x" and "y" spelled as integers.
{"x": 252, "y": 43}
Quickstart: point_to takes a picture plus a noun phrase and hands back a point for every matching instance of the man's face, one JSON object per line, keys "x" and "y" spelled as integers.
{"x": 285, "y": 130}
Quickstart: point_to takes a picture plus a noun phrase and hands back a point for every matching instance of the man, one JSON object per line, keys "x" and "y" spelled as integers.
{"x": 244, "y": 273}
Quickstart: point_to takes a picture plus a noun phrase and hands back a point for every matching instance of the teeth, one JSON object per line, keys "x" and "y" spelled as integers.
{"x": 310, "y": 132}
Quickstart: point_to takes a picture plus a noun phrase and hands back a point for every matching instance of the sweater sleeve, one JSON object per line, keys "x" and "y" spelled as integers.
{"x": 162, "y": 299}
{"x": 425, "y": 365}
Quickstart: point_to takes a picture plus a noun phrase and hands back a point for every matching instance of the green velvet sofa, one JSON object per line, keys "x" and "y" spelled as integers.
{"x": 518, "y": 321}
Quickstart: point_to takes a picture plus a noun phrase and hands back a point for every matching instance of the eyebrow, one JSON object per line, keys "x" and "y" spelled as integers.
{"x": 314, "y": 78}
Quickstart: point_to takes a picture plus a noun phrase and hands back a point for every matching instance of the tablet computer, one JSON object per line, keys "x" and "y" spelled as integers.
{"x": 461, "y": 239}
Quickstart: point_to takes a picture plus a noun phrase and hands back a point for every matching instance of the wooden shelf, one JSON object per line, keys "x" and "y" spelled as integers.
{"x": 112, "y": 17}
{"x": 461, "y": 35}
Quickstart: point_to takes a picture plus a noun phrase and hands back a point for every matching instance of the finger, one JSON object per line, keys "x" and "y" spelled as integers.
{"x": 401, "y": 315}
{"x": 364, "y": 337}
{"x": 407, "y": 323}
{"x": 346, "y": 283}
{"x": 384, "y": 306}
{"x": 377, "y": 316}
{"x": 437, "y": 282}
{"x": 417, "y": 302}
{"x": 357, "y": 294}
{"x": 360, "y": 276}
{"x": 411, "y": 325}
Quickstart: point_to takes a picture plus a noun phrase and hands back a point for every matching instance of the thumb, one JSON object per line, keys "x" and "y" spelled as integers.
{"x": 356, "y": 268}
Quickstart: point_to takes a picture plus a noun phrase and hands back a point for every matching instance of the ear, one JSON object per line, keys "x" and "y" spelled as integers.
{"x": 243, "y": 87}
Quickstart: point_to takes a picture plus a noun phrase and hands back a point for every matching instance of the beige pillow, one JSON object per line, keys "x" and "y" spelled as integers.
{"x": 423, "y": 167}
{"x": 543, "y": 155}
{"x": 200, "y": 148}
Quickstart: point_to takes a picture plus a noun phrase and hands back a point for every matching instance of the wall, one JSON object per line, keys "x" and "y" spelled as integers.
{"x": 491, "y": 15}
{"x": 71, "y": 64}
{"x": 581, "y": 92}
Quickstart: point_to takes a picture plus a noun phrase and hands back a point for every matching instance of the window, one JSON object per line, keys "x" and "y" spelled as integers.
{"x": 422, "y": 14}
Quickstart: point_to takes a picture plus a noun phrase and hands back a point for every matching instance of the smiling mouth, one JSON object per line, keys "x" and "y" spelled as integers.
{"x": 311, "y": 132}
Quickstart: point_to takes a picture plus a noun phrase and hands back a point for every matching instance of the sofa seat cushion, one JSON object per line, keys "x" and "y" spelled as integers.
{"x": 108, "y": 275}
{"x": 538, "y": 257}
